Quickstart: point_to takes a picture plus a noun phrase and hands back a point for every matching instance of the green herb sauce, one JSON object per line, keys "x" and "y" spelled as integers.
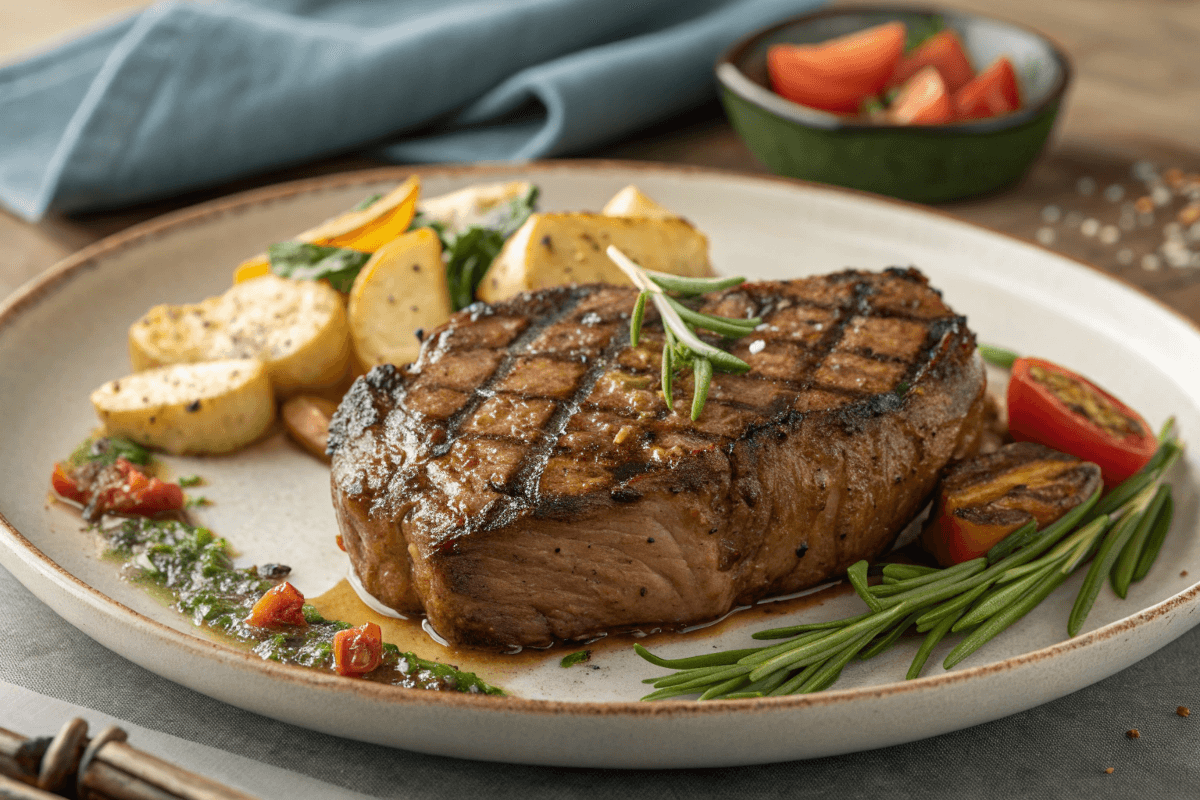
{"x": 194, "y": 567}
{"x": 107, "y": 449}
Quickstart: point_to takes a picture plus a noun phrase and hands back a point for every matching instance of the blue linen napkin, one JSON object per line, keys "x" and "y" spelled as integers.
{"x": 184, "y": 95}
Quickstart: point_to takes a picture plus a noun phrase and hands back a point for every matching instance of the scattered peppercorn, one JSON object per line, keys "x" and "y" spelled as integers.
{"x": 1108, "y": 771}
{"x": 1133, "y": 733}
{"x": 1183, "y": 711}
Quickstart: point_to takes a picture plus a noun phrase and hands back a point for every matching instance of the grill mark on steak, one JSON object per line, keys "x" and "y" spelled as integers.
{"x": 522, "y": 488}
{"x": 863, "y": 386}
{"x": 503, "y": 368}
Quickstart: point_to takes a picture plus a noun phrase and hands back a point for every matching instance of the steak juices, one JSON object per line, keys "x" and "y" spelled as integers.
{"x": 524, "y": 481}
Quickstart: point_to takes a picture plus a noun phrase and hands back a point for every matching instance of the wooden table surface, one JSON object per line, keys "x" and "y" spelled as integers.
{"x": 1135, "y": 101}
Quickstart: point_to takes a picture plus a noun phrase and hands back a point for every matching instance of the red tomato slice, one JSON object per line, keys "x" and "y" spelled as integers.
{"x": 923, "y": 100}
{"x": 359, "y": 650}
{"x": 944, "y": 51}
{"x": 280, "y": 605}
{"x": 991, "y": 93}
{"x": 839, "y": 74}
{"x": 1060, "y": 409}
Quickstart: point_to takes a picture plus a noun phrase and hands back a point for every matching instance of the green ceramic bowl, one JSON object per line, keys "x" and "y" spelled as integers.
{"x": 927, "y": 163}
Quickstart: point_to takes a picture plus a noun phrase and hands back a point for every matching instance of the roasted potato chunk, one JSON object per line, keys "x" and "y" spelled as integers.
{"x": 213, "y": 407}
{"x": 631, "y": 202}
{"x": 298, "y": 330}
{"x": 983, "y": 499}
{"x": 556, "y": 249}
{"x": 474, "y": 205}
{"x": 401, "y": 290}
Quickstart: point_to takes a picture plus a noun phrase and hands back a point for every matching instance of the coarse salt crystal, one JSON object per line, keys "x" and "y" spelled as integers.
{"x": 1143, "y": 170}
{"x": 1114, "y": 193}
{"x": 1109, "y": 234}
{"x": 1073, "y": 219}
{"x": 757, "y": 346}
{"x": 1051, "y": 214}
{"x": 1090, "y": 227}
{"x": 1160, "y": 195}
{"x": 1125, "y": 256}
{"x": 1045, "y": 236}
{"x": 1178, "y": 258}
{"x": 1150, "y": 262}
{"x": 1086, "y": 186}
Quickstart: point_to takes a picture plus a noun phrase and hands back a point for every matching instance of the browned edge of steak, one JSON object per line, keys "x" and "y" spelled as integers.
{"x": 603, "y": 510}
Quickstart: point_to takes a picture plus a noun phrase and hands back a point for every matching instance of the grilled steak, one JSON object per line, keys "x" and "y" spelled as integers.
{"x": 524, "y": 481}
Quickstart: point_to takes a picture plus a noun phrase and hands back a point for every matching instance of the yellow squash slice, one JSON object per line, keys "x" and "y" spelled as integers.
{"x": 367, "y": 229}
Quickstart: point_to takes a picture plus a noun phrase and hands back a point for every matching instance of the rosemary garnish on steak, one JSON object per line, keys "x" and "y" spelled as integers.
{"x": 683, "y": 346}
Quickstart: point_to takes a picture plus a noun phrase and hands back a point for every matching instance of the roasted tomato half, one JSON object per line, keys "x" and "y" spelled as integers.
{"x": 1056, "y": 407}
{"x": 983, "y": 499}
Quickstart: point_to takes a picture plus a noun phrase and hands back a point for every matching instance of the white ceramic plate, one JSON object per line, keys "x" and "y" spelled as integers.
{"x": 64, "y": 334}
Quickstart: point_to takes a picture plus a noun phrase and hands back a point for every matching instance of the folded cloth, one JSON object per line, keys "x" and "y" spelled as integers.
{"x": 184, "y": 95}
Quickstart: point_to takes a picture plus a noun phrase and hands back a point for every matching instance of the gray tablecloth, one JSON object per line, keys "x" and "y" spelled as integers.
{"x": 49, "y": 672}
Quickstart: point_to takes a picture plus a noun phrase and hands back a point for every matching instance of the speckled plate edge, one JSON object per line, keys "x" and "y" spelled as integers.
{"x": 73, "y": 598}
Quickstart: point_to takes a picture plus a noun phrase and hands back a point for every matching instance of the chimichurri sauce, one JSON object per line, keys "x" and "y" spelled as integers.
{"x": 194, "y": 566}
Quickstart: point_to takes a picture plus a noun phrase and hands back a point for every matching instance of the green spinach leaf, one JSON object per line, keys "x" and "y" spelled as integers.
{"x": 313, "y": 262}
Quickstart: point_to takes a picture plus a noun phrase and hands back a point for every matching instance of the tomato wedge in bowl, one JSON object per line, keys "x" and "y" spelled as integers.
{"x": 1061, "y": 409}
{"x": 925, "y": 162}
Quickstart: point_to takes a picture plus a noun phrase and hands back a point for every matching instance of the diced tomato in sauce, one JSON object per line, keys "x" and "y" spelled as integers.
{"x": 280, "y": 605}
{"x": 358, "y": 651}
{"x": 117, "y": 488}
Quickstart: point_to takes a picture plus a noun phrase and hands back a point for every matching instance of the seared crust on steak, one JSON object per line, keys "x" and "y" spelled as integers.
{"x": 525, "y": 482}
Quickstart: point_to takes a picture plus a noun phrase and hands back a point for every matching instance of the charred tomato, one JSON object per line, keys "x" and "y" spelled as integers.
{"x": 1061, "y": 409}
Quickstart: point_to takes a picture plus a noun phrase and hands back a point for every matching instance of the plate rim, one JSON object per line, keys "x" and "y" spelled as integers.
{"x": 47, "y": 283}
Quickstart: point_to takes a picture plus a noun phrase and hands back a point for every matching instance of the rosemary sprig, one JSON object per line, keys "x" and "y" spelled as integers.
{"x": 998, "y": 356}
{"x": 1124, "y": 530}
{"x": 683, "y": 346}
